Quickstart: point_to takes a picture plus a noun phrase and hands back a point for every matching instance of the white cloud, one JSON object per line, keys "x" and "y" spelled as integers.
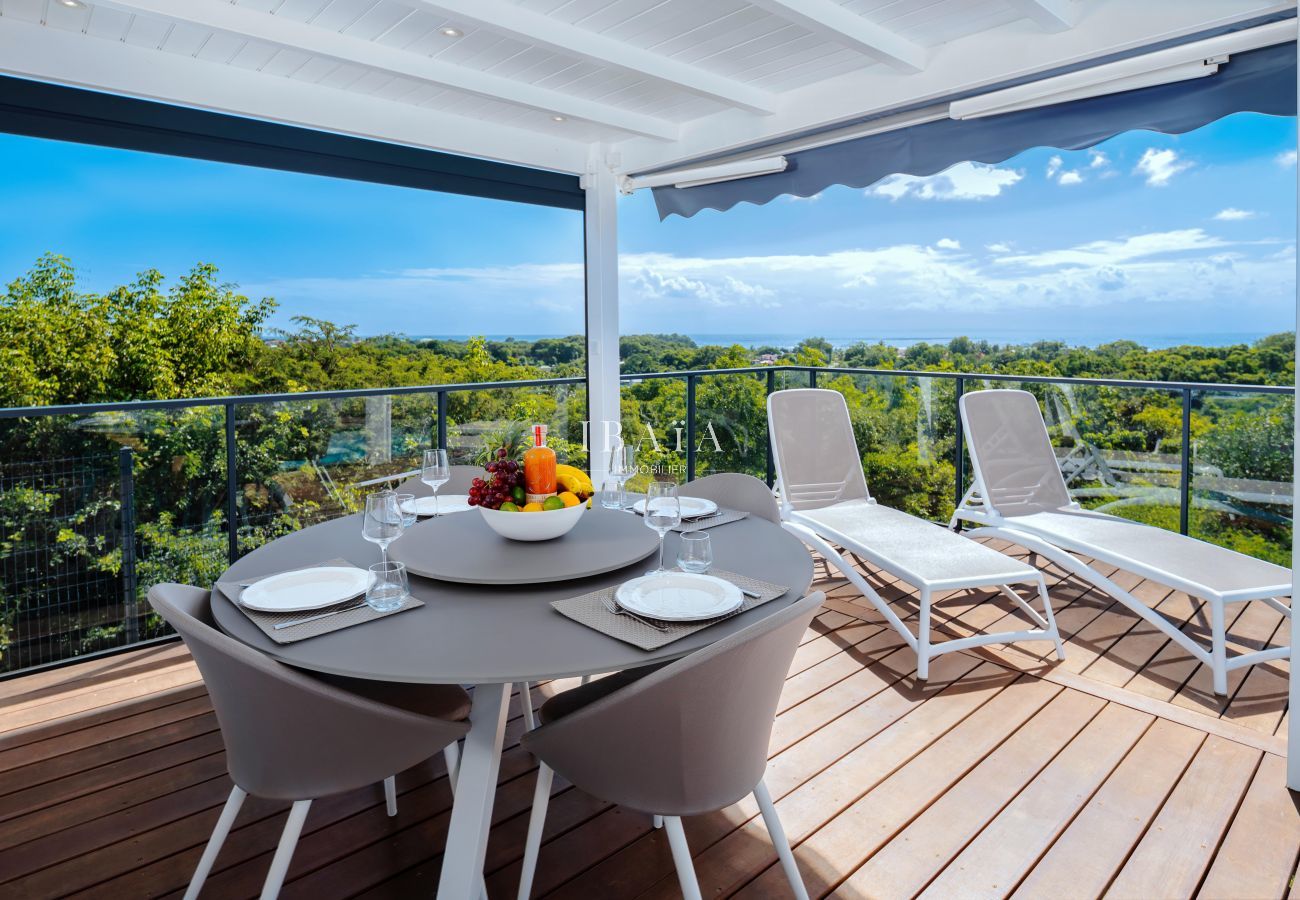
{"x": 1097, "y": 159}
{"x": 1158, "y": 166}
{"x": 1232, "y": 214}
{"x": 1113, "y": 252}
{"x": 1285, "y": 158}
{"x": 948, "y": 244}
{"x": 853, "y": 288}
{"x": 964, "y": 181}
{"x": 1053, "y": 166}
{"x": 1070, "y": 177}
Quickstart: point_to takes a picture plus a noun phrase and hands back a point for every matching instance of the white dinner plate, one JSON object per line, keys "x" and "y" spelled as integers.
{"x": 306, "y": 589}
{"x": 692, "y": 507}
{"x": 447, "y": 503}
{"x": 679, "y": 597}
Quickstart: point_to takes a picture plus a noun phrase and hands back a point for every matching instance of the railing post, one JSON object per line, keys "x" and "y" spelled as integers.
{"x": 130, "y": 602}
{"x": 959, "y": 451}
{"x": 442, "y": 421}
{"x": 690, "y": 427}
{"x": 232, "y": 481}
{"x": 771, "y": 463}
{"x": 812, "y": 378}
{"x": 1185, "y": 486}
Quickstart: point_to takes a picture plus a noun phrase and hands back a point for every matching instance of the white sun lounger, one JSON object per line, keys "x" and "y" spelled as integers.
{"x": 1020, "y": 496}
{"x": 825, "y": 503}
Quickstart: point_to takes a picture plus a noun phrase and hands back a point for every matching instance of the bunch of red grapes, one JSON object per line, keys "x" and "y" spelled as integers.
{"x": 503, "y": 476}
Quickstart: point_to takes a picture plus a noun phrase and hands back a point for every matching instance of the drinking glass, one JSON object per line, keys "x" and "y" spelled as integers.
{"x": 388, "y": 586}
{"x": 435, "y": 472}
{"x": 611, "y": 494}
{"x": 695, "y": 552}
{"x": 406, "y": 504}
{"x": 382, "y": 523}
{"x": 663, "y": 512}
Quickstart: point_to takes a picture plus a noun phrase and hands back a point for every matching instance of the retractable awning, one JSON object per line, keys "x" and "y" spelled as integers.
{"x": 1261, "y": 80}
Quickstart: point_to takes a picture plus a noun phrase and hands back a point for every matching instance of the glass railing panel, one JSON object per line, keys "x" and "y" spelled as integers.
{"x": 475, "y": 417}
{"x": 904, "y": 428}
{"x": 305, "y": 461}
{"x": 1118, "y": 447}
{"x": 1242, "y": 477}
{"x": 730, "y": 429}
{"x": 653, "y": 409}
{"x": 95, "y": 508}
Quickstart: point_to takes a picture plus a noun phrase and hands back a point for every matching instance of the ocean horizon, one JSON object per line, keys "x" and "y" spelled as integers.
{"x": 903, "y": 340}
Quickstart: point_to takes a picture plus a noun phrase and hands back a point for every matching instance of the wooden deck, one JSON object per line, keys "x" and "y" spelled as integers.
{"x": 1115, "y": 773}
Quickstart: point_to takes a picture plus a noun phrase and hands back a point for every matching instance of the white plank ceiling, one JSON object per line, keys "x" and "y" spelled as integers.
{"x": 561, "y": 84}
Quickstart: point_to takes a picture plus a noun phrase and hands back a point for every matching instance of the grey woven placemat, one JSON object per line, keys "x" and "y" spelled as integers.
{"x": 590, "y": 610}
{"x": 267, "y": 621}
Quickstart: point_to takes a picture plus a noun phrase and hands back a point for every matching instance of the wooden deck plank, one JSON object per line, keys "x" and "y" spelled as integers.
{"x": 1252, "y": 630}
{"x": 1084, "y": 859}
{"x": 1176, "y": 850}
{"x": 917, "y": 853}
{"x": 1005, "y": 851}
{"x": 103, "y": 726}
{"x": 115, "y": 797}
{"x": 1259, "y": 853}
{"x": 877, "y": 817}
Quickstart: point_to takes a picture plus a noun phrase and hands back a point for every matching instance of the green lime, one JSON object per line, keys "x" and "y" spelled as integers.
{"x": 552, "y": 503}
{"x": 508, "y": 507}
{"x": 518, "y": 493}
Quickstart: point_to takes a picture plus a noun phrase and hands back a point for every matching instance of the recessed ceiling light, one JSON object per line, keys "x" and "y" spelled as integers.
{"x": 73, "y": 4}
{"x": 451, "y": 32}
{"x": 559, "y": 119}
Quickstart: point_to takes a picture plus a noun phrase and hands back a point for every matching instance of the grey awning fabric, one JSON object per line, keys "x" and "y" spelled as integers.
{"x": 1261, "y": 81}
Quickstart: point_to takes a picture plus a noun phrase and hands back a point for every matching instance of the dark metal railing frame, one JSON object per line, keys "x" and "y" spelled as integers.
{"x": 692, "y": 377}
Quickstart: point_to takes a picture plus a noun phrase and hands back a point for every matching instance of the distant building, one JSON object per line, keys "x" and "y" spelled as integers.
{"x": 767, "y": 359}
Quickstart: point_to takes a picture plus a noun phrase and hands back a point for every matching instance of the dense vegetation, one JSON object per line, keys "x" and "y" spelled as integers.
{"x": 61, "y": 494}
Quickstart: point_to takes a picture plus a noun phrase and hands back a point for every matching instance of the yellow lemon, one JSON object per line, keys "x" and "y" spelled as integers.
{"x": 532, "y": 507}
{"x": 569, "y": 498}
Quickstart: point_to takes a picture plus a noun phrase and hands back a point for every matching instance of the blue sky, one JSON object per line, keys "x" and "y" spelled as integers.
{"x": 1147, "y": 236}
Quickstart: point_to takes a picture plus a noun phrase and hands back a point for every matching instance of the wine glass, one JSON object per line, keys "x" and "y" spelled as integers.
{"x": 435, "y": 472}
{"x": 382, "y": 523}
{"x": 622, "y": 463}
{"x": 663, "y": 513}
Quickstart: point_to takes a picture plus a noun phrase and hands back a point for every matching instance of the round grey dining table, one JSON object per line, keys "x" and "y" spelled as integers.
{"x": 493, "y": 637}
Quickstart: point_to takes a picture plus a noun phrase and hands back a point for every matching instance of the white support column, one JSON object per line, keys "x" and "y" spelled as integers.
{"x": 1293, "y": 721}
{"x": 602, "y": 311}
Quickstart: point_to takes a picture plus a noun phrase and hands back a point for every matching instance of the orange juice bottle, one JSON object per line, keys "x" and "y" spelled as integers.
{"x": 539, "y": 468}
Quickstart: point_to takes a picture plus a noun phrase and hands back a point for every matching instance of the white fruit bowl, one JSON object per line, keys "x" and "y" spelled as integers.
{"x": 533, "y": 526}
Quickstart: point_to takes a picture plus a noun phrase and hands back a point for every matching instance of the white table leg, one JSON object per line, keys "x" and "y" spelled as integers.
{"x": 471, "y": 812}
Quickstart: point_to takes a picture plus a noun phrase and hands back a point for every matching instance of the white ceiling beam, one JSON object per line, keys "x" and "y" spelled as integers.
{"x": 1049, "y": 15}
{"x": 530, "y": 27}
{"x": 65, "y": 57}
{"x": 283, "y": 32}
{"x": 829, "y": 20}
{"x": 966, "y": 65}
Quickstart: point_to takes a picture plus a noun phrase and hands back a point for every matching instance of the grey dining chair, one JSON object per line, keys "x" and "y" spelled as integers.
{"x": 679, "y": 740}
{"x": 292, "y": 736}
{"x": 733, "y": 490}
